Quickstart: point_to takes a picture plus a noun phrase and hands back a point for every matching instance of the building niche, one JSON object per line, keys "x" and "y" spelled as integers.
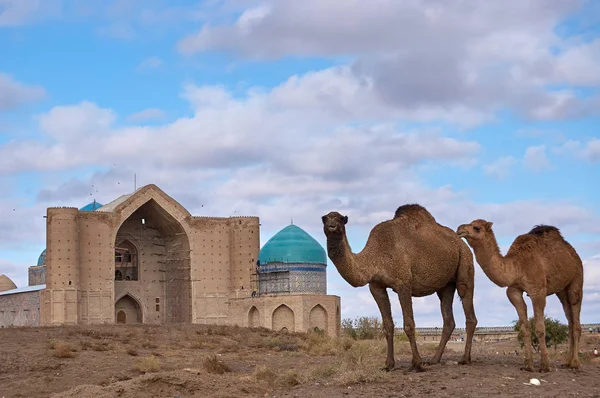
{"x": 126, "y": 262}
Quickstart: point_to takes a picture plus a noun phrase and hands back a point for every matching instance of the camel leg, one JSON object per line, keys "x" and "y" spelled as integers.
{"x": 539, "y": 304}
{"x": 516, "y": 298}
{"x": 574, "y": 295}
{"x": 563, "y": 296}
{"x": 383, "y": 302}
{"x": 465, "y": 285}
{"x": 405, "y": 297}
{"x": 446, "y": 295}
{"x": 466, "y": 294}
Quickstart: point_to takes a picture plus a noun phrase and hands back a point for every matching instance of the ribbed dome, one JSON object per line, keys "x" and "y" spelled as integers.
{"x": 292, "y": 245}
{"x": 6, "y": 283}
{"x": 42, "y": 259}
{"x": 91, "y": 206}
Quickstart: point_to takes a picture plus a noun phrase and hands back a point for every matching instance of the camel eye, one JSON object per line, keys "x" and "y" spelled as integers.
{"x": 477, "y": 229}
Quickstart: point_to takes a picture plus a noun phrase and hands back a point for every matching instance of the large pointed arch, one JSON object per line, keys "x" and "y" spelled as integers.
{"x": 151, "y": 219}
{"x": 283, "y": 319}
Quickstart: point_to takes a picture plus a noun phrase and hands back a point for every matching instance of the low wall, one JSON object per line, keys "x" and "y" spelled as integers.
{"x": 20, "y": 309}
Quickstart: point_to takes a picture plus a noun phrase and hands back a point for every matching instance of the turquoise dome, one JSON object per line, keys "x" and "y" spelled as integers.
{"x": 91, "y": 206}
{"x": 42, "y": 259}
{"x": 292, "y": 245}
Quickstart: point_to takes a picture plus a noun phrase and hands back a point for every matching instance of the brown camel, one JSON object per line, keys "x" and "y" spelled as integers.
{"x": 540, "y": 263}
{"x": 414, "y": 256}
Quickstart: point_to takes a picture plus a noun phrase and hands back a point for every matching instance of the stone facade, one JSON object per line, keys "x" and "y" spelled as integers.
{"x": 20, "y": 309}
{"x": 295, "y": 313}
{"x": 143, "y": 258}
{"x": 37, "y": 275}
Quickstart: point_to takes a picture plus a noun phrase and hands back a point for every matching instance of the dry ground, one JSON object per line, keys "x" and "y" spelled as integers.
{"x": 215, "y": 361}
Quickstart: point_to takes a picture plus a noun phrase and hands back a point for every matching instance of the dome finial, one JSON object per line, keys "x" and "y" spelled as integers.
{"x": 292, "y": 222}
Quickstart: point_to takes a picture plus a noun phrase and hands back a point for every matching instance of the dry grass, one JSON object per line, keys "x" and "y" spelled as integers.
{"x": 63, "y": 350}
{"x": 133, "y": 352}
{"x": 147, "y": 364}
{"x": 212, "y": 364}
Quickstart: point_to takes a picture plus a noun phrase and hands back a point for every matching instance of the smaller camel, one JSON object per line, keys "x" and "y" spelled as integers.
{"x": 416, "y": 257}
{"x": 540, "y": 263}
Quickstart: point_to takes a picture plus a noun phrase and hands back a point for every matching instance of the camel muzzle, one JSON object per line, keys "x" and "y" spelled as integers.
{"x": 461, "y": 231}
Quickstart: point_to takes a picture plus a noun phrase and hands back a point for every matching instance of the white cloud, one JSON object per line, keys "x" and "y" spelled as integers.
{"x": 535, "y": 158}
{"x": 592, "y": 150}
{"x": 150, "y": 63}
{"x": 75, "y": 121}
{"x": 579, "y": 65}
{"x": 21, "y": 12}
{"x": 146, "y": 115}
{"x": 117, "y": 30}
{"x": 490, "y": 56}
{"x": 500, "y": 168}
{"x": 14, "y": 93}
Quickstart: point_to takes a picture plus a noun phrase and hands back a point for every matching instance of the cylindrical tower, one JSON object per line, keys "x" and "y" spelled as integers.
{"x": 62, "y": 245}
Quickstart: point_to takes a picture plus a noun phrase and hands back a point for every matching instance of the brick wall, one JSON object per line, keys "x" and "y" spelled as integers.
{"x": 20, "y": 309}
{"x": 37, "y": 275}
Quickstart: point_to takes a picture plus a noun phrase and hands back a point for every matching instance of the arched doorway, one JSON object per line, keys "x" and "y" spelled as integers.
{"x": 128, "y": 310}
{"x": 121, "y": 317}
{"x": 283, "y": 317}
{"x": 317, "y": 318}
{"x": 152, "y": 262}
{"x": 253, "y": 318}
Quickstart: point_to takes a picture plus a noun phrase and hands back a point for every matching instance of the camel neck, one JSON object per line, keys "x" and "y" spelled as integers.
{"x": 340, "y": 253}
{"x": 497, "y": 268}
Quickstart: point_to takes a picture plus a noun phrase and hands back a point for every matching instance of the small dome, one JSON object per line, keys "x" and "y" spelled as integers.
{"x": 93, "y": 206}
{"x": 42, "y": 259}
{"x": 292, "y": 245}
{"x": 6, "y": 283}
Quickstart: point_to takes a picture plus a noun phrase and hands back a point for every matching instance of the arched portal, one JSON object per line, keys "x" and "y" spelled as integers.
{"x": 253, "y": 318}
{"x": 317, "y": 318}
{"x": 152, "y": 261}
{"x": 283, "y": 317}
{"x": 128, "y": 310}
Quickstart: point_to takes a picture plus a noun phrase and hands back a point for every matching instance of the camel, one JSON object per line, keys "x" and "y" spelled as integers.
{"x": 540, "y": 263}
{"x": 414, "y": 256}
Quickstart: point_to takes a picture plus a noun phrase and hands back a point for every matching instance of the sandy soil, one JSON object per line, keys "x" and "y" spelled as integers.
{"x": 204, "y": 361}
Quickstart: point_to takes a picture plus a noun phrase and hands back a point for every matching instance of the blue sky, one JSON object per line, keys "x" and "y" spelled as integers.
{"x": 292, "y": 109}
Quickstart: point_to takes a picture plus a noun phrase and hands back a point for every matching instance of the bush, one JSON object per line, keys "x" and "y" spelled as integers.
{"x": 556, "y": 333}
{"x": 148, "y": 364}
{"x": 212, "y": 364}
{"x": 362, "y": 328}
{"x": 62, "y": 350}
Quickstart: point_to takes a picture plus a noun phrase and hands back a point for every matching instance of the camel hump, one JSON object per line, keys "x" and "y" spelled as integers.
{"x": 541, "y": 230}
{"x": 414, "y": 211}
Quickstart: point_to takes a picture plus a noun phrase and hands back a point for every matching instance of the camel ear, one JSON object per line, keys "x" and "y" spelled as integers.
{"x": 324, "y": 218}
{"x": 345, "y": 219}
{"x": 488, "y": 226}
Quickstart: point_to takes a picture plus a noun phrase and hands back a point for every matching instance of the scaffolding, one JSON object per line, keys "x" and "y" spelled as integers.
{"x": 270, "y": 279}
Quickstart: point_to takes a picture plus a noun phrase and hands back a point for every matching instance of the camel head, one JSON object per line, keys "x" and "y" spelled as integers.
{"x": 334, "y": 224}
{"x": 476, "y": 230}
